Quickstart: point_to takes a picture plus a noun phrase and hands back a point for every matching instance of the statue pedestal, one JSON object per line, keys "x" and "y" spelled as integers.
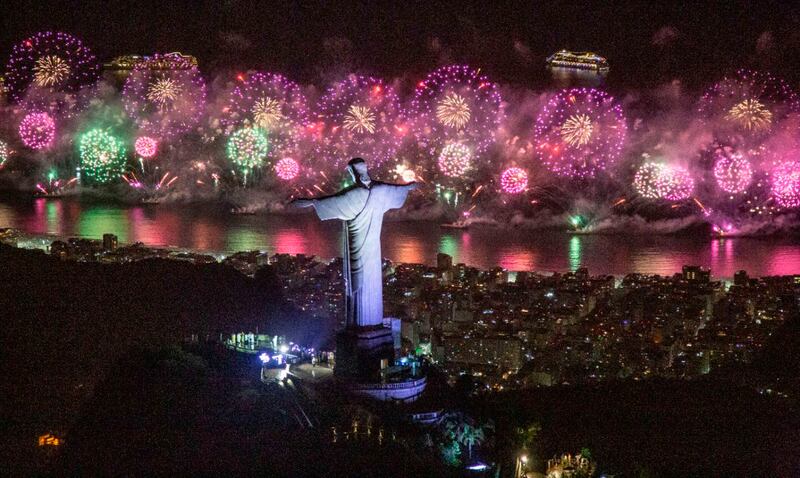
{"x": 359, "y": 352}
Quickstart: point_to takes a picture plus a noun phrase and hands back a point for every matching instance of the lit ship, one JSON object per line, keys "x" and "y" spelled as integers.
{"x": 584, "y": 60}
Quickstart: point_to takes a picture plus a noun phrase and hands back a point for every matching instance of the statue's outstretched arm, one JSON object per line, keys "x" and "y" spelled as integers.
{"x": 335, "y": 206}
{"x": 395, "y": 194}
{"x": 302, "y": 202}
{"x": 308, "y": 202}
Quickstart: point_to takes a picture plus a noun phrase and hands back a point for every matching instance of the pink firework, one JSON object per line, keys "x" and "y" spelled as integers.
{"x": 514, "y": 180}
{"x": 749, "y": 104}
{"x": 358, "y": 117}
{"x": 165, "y": 95}
{"x": 273, "y": 103}
{"x": 786, "y": 184}
{"x": 37, "y": 130}
{"x": 456, "y": 104}
{"x": 145, "y": 146}
{"x": 680, "y": 184}
{"x": 580, "y": 132}
{"x": 733, "y": 172}
{"x": 287, "y": 169}
{"x": 455, "y": 160}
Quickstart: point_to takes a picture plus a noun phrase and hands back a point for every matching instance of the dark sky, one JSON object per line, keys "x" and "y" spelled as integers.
{"x": 646, "y": 42}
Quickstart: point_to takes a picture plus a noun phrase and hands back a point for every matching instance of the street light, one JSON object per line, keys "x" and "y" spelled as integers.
{"x": 521, "y": 465}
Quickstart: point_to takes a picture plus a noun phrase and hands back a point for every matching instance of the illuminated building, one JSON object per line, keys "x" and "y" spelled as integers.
{"x": 585, "y": 60}
{"x": 696, "y": 274}
{"x": 505, "y": 353}
{"x": 570, "y": 466}
{"x": 109, "y": 242}
{"x": 444, "y": 262}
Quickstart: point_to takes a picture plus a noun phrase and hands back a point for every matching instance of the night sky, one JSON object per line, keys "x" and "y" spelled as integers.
{"x": 646, "y": 42}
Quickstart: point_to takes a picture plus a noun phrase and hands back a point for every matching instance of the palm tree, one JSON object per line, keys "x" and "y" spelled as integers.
{"x": 463, "y": 431}
{"x": 471, "y": 436}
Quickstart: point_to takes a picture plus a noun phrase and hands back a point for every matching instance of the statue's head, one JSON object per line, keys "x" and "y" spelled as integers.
{"x": 358, "y": 169}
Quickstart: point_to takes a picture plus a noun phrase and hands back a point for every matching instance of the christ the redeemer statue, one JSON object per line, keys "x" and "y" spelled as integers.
{"x": 361, "y": 207}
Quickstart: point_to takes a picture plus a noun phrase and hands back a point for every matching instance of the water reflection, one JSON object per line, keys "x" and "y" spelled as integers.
{"x": 575, "y": 252}
{"x": 567, "y": 77}
{"x": 241, "y": 239}
{"x": 96, "y": 221}
{"x": 784, "y": 260}
{"x": 206, "y": 236}
{"x": 517, "y": 260}
{"x": 290, "y": 241}
{"x": 54, "y": 217}
{"x": 448, "y": 245}
{"x": 214, "y": 230}
{"x": 409, "y": 249}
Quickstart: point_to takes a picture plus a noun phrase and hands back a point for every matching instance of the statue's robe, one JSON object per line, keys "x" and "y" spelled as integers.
{"x": 362, "y": 208}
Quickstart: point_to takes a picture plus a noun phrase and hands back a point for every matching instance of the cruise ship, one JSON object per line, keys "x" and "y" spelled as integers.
{"x": 585, "y": 60}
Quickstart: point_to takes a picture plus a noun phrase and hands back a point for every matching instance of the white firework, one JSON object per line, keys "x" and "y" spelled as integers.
{"x": 50, "y": 70}
{"x": 163, "y": 92}
{"x": 267, "y": 113}
{"x": 360, "y": 119}
{"x": 453, "y": 111}
{"x": 577, "y": 130}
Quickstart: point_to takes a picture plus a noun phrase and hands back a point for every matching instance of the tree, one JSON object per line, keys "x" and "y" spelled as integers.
{"x": 464, "y": 431}
{"x": 451, "y": 452}
{"x": 527, "y": 435}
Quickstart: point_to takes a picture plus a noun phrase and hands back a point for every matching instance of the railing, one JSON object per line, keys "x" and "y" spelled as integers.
{"x": 390, "y": 386}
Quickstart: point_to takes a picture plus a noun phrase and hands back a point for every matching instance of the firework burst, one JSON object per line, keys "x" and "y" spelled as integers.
{"x": 102, "y": 156}
{"x": 287, "y": 169}
{"x": 662, "y": 181}
{"x": 453, "y": 111}
{"x": 360, "y": 116}
{"x": 267, "y": 113}
{"x": 37, "y": 130}
{"x": 50, "y": 70}
{"x": 514, "y": 180}
{"x": 4, "y": 153}
{"x": 786, "y": 184}
{"x": 145, "y": 146}
{"x": 164, "y": 92}
{"x": 247, "y": 148}
{"x": 456, "y": 104}
{"x": 733, "y": 172}
{"x": 577, "y": 130}
{"x": 46, "y": 70}
{"x": 272, "y": 103}
{"x": 359, "y": 119}
{"x": 580, "y": 132}
{"x": 455, "y": 160}
{"x": 165, "y": 95}
{"x": 751, "y": 115}
{"x": 748, "y": 103}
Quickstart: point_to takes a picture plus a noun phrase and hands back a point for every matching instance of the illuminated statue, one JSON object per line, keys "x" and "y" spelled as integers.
{"x": 361, "y": 207}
